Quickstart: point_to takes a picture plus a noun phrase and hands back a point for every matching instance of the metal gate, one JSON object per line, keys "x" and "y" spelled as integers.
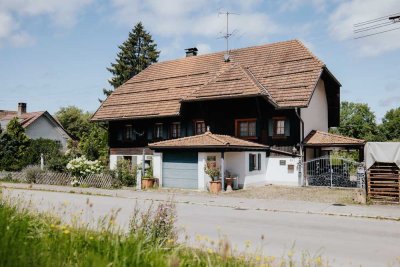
{"x": 334, "y": 171}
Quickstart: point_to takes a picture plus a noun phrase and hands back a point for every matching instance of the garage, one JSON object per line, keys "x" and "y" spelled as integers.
{"x": 179, "y": 169}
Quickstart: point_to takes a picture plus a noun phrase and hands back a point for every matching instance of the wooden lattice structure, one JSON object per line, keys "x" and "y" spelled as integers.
{"x": 384, "y": 182}
{"x": 53, "y": 178}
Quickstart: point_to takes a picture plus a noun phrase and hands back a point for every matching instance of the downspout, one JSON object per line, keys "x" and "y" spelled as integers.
{"x": 301, "y": 165}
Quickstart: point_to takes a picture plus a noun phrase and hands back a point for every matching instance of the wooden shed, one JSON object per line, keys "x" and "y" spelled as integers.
{"x": 383, "y": 172}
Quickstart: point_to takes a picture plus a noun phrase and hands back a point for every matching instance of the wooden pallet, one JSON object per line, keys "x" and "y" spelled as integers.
{"x": 384, "y": 183}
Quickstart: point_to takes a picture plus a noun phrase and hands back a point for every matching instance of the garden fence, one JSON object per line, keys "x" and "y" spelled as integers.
{"x": 54, "y": 178}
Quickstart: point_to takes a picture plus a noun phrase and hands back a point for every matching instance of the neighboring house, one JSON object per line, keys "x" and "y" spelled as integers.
{"x": 271, "y": 95}
{"x": 37, "y": 125}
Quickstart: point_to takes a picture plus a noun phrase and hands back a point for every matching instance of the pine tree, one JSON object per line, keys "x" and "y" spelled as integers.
{"x": 136, "y": 53}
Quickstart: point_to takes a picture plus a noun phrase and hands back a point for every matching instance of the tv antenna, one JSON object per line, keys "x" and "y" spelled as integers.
{"x": 227, "y": 34}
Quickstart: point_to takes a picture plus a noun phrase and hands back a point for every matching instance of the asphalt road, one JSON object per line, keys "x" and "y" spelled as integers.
{"x": 343, "y": 241}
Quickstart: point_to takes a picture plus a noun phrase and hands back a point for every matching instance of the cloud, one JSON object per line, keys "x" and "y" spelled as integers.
{"x": 347, "y": 14}
{"x": 185, "y": 19}
{"x": 204, "y": 48}
{"x": 14, "y": 15}
{"x": 292, "y": 5}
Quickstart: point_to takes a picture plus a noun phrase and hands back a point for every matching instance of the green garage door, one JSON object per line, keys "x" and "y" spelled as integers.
{"x": 180, "y": 170}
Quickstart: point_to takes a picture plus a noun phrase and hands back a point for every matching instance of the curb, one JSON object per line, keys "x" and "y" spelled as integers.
{"x": 351, "y": 215}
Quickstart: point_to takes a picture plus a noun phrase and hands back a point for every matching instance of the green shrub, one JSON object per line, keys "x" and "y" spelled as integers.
{"x": 126, "y": 173}
{"x": 32, "y": 173}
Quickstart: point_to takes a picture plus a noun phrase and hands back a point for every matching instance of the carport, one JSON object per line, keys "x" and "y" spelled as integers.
{"x": 183, "y": 159}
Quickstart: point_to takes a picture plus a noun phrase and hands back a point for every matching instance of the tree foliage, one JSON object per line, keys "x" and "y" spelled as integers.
{"x": 92, "y": 138}
{"x": 74, "y": 120}
{"x": 358, "y": 121}
{"x": 136, "y": 53}
{"x": 390, "y": 127}
{"x": 13, "y": 146}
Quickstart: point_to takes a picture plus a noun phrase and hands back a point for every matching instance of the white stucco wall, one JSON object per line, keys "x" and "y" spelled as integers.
{"x": 279, "y": 174}
{"x": 44, "y": 128}
{"x": 203, "y": 178}
{"x": 157, "y": 166}
{"x": 315, "y": 116}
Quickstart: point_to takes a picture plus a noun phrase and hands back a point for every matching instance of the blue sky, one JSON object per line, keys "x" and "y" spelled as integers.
{"x": 55, "y": 53}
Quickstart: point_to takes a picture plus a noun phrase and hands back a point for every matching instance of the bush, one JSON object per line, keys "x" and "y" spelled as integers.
{"x": 212, "y": 172}
{"x": 32, "y": 173}
{"x": 82, "y": 167}
{"x": 126, "y": 173}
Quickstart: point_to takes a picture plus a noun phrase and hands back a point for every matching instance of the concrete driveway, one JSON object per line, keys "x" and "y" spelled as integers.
{"x": 343, "y": 240}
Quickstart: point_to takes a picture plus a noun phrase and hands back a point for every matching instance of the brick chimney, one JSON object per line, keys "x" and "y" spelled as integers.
{"x": 21, "y": 108}
{"x": 190, "y": 52}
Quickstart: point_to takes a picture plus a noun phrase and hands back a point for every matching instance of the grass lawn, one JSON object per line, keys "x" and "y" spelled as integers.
{"x": 28, "y": 238}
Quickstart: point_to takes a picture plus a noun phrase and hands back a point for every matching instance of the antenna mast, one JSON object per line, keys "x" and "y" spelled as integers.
{"x": 227, "y": 34}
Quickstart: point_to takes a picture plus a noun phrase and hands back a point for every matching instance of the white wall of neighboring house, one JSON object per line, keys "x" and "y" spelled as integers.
{"x": 45, "y": 128}
{"x": 279, "y": 173}
{"x": 315, "y": 116}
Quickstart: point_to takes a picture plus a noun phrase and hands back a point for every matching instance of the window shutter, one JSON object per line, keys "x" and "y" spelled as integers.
{"x": 270, "y": 127}
{"x": 251, "y": 162}
{"x": 149, "y": 133}
{"x": 183, "y": 129}
{"x": 287, "y": 127}
{"x": 259, "y": 161}
{"x": 189, "y": 128}
{"x": 165, "y": 131}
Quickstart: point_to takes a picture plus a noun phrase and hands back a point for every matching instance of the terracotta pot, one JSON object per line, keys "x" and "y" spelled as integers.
{"x": 215, "y": 186}
{"x": 229, "y": 182}
{"x": 147, "y": 183}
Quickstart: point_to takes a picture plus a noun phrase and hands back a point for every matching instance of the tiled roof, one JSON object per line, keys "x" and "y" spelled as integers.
{"x": 318, "y": 138}
{"x": 25, "y": 119}
{"x": 285, "y": 73}
{"x": 207, "y": 140}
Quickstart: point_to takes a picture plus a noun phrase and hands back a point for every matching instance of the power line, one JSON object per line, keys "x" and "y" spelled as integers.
{"x": 374, "y": 27}
{"x": 376, "y": 33}
{"x": 375, "y": 20}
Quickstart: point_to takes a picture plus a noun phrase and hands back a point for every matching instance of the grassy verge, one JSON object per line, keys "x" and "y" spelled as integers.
{"x": 31, "y": 239}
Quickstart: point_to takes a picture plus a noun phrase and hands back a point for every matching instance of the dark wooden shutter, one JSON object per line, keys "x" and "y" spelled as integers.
{"x": 287, "y": 127}
{"x": 165, "y": 131}
{"x": 150, "y": 133}
{"x": 251, "y": 162}
{"x": 183, "y": 129}
{"x": 259, "y": 161}
{"x": 189, "y": 128}
{"x": 270, "y": 127}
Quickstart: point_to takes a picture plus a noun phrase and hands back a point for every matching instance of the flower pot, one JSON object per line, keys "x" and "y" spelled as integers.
{"x": 215, "y": 186}
{"x": 229, "y": 183}
{"x": 148, "y": 183}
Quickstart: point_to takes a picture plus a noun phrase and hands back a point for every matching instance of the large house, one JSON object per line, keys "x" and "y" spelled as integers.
{"x": 39, "y": 124}
{"x": 247, "y": 112}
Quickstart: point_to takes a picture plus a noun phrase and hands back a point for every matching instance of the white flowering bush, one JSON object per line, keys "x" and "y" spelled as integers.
{"x": 82, "y": 167}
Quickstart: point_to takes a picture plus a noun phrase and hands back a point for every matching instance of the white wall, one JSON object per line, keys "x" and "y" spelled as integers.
{"x": 157, "y": 167}
{"x": 315, "y": 116}
{"x": 279, "y": 174}
{"x": 203, "y": 178}
{"x": 44, "y": 128}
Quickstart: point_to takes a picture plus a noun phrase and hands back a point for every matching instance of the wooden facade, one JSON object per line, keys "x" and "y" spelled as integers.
{"x": 221, "y": 116}
{"x": 384, "y": 182}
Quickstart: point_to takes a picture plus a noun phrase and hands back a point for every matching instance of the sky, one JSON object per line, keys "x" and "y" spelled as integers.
{"x": 55, "y": 53}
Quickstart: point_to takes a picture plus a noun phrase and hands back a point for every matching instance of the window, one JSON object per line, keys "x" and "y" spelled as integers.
{"x": 175, "y": 130}
{"x": 246, "y": 128}
{"x": 254, "y": 161}
{"x": 279, "y": 127}
{"x": 158, "y": 131}
{"x": 200, "y": 127}
{"x": 128, "y": 132}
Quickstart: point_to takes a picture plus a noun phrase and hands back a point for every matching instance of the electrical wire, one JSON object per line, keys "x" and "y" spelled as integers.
{"x": 376, "y": 33}
{"x": 375, "y": 20}
{"x": 374, "y": 27}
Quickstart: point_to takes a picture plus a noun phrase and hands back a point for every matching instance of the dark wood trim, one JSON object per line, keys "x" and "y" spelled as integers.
{"x": 237, "y": 128}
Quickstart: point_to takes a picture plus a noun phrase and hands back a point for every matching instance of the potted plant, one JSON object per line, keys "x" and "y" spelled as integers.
{"x": 215, "y": 183}
{"x": 148, "y": 179}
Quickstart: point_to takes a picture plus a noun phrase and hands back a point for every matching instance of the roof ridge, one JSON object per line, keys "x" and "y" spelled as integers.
{"x": 339, "y": 135}
{"x": 263, "y": 90}
{"x": 218, "y": 74}
{"x": 218, "y": 139}
{"x": 309, "y": 51}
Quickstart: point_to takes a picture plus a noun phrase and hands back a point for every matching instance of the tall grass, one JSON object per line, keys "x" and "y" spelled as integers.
{"x": 32, "y": 239}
